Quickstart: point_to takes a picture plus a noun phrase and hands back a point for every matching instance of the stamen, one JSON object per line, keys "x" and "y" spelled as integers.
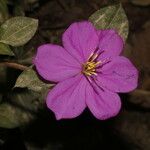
{"x": 89, "y": 79}
{"x": 94, "y": 73}
{"x": 89, "y": 68}
{"x": 90, "y": 55}
{"x": 94, "y": 57}
{"x": 97, "y": 63}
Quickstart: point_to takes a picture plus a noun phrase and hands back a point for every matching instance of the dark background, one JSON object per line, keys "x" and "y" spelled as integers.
{"x": 130, "y": 130}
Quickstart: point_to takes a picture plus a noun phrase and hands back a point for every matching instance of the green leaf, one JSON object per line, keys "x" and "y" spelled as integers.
{"x": 3, "y": 11}
{"x": 111, "y": 17}
{"x": 5, "y": 50}
{"x": 18, "y": 31}
{"x": 29, "y": 79}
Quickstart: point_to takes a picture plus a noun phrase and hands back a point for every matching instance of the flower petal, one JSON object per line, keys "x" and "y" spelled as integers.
{"x": 102, "y": 103}
{"x": 110, "y": 44}
{"x": 80, "y": 40}
{"x": 67, "y": 98}
{"x": 53, "y": 63}
{"x": 119, "y": 75}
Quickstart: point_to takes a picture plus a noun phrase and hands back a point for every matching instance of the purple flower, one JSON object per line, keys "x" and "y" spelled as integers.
{"x": 89, "y": 72}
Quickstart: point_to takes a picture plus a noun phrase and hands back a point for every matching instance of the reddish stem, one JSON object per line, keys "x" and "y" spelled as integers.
{"x": 14, "y": 65}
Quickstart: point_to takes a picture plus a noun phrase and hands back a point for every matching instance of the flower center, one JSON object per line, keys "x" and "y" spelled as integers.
{"x": 89, "y": 68}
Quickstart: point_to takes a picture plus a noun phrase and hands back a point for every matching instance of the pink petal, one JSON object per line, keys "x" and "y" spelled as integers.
{"x": 102, "y": 103}
{"x": 54, "y": 63}
{"x": 67, "y": 98}
{"x": 80, "y": 40}
{"x": 110, "y": 44}
{"x": 119, "y": 75}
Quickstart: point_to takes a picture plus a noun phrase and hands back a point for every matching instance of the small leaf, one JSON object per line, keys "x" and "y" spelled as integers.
{"x": 29, "y": 79}
{"x": 3, "y": 11}
{"x": 111, "y": 17}
{"x": 18, "y": 31}
{"x": 5, "y": 50}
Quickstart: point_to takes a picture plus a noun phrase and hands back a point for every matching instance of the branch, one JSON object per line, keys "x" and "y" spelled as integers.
{"x": 14, "y": 65}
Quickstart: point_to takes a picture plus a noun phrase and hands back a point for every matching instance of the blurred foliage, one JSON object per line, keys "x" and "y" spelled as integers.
{"x": 21, "y": 108}
{"x": 3, "y": 11}
{"x": 11, "y": 116}
{"x": 141, "y": 2}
